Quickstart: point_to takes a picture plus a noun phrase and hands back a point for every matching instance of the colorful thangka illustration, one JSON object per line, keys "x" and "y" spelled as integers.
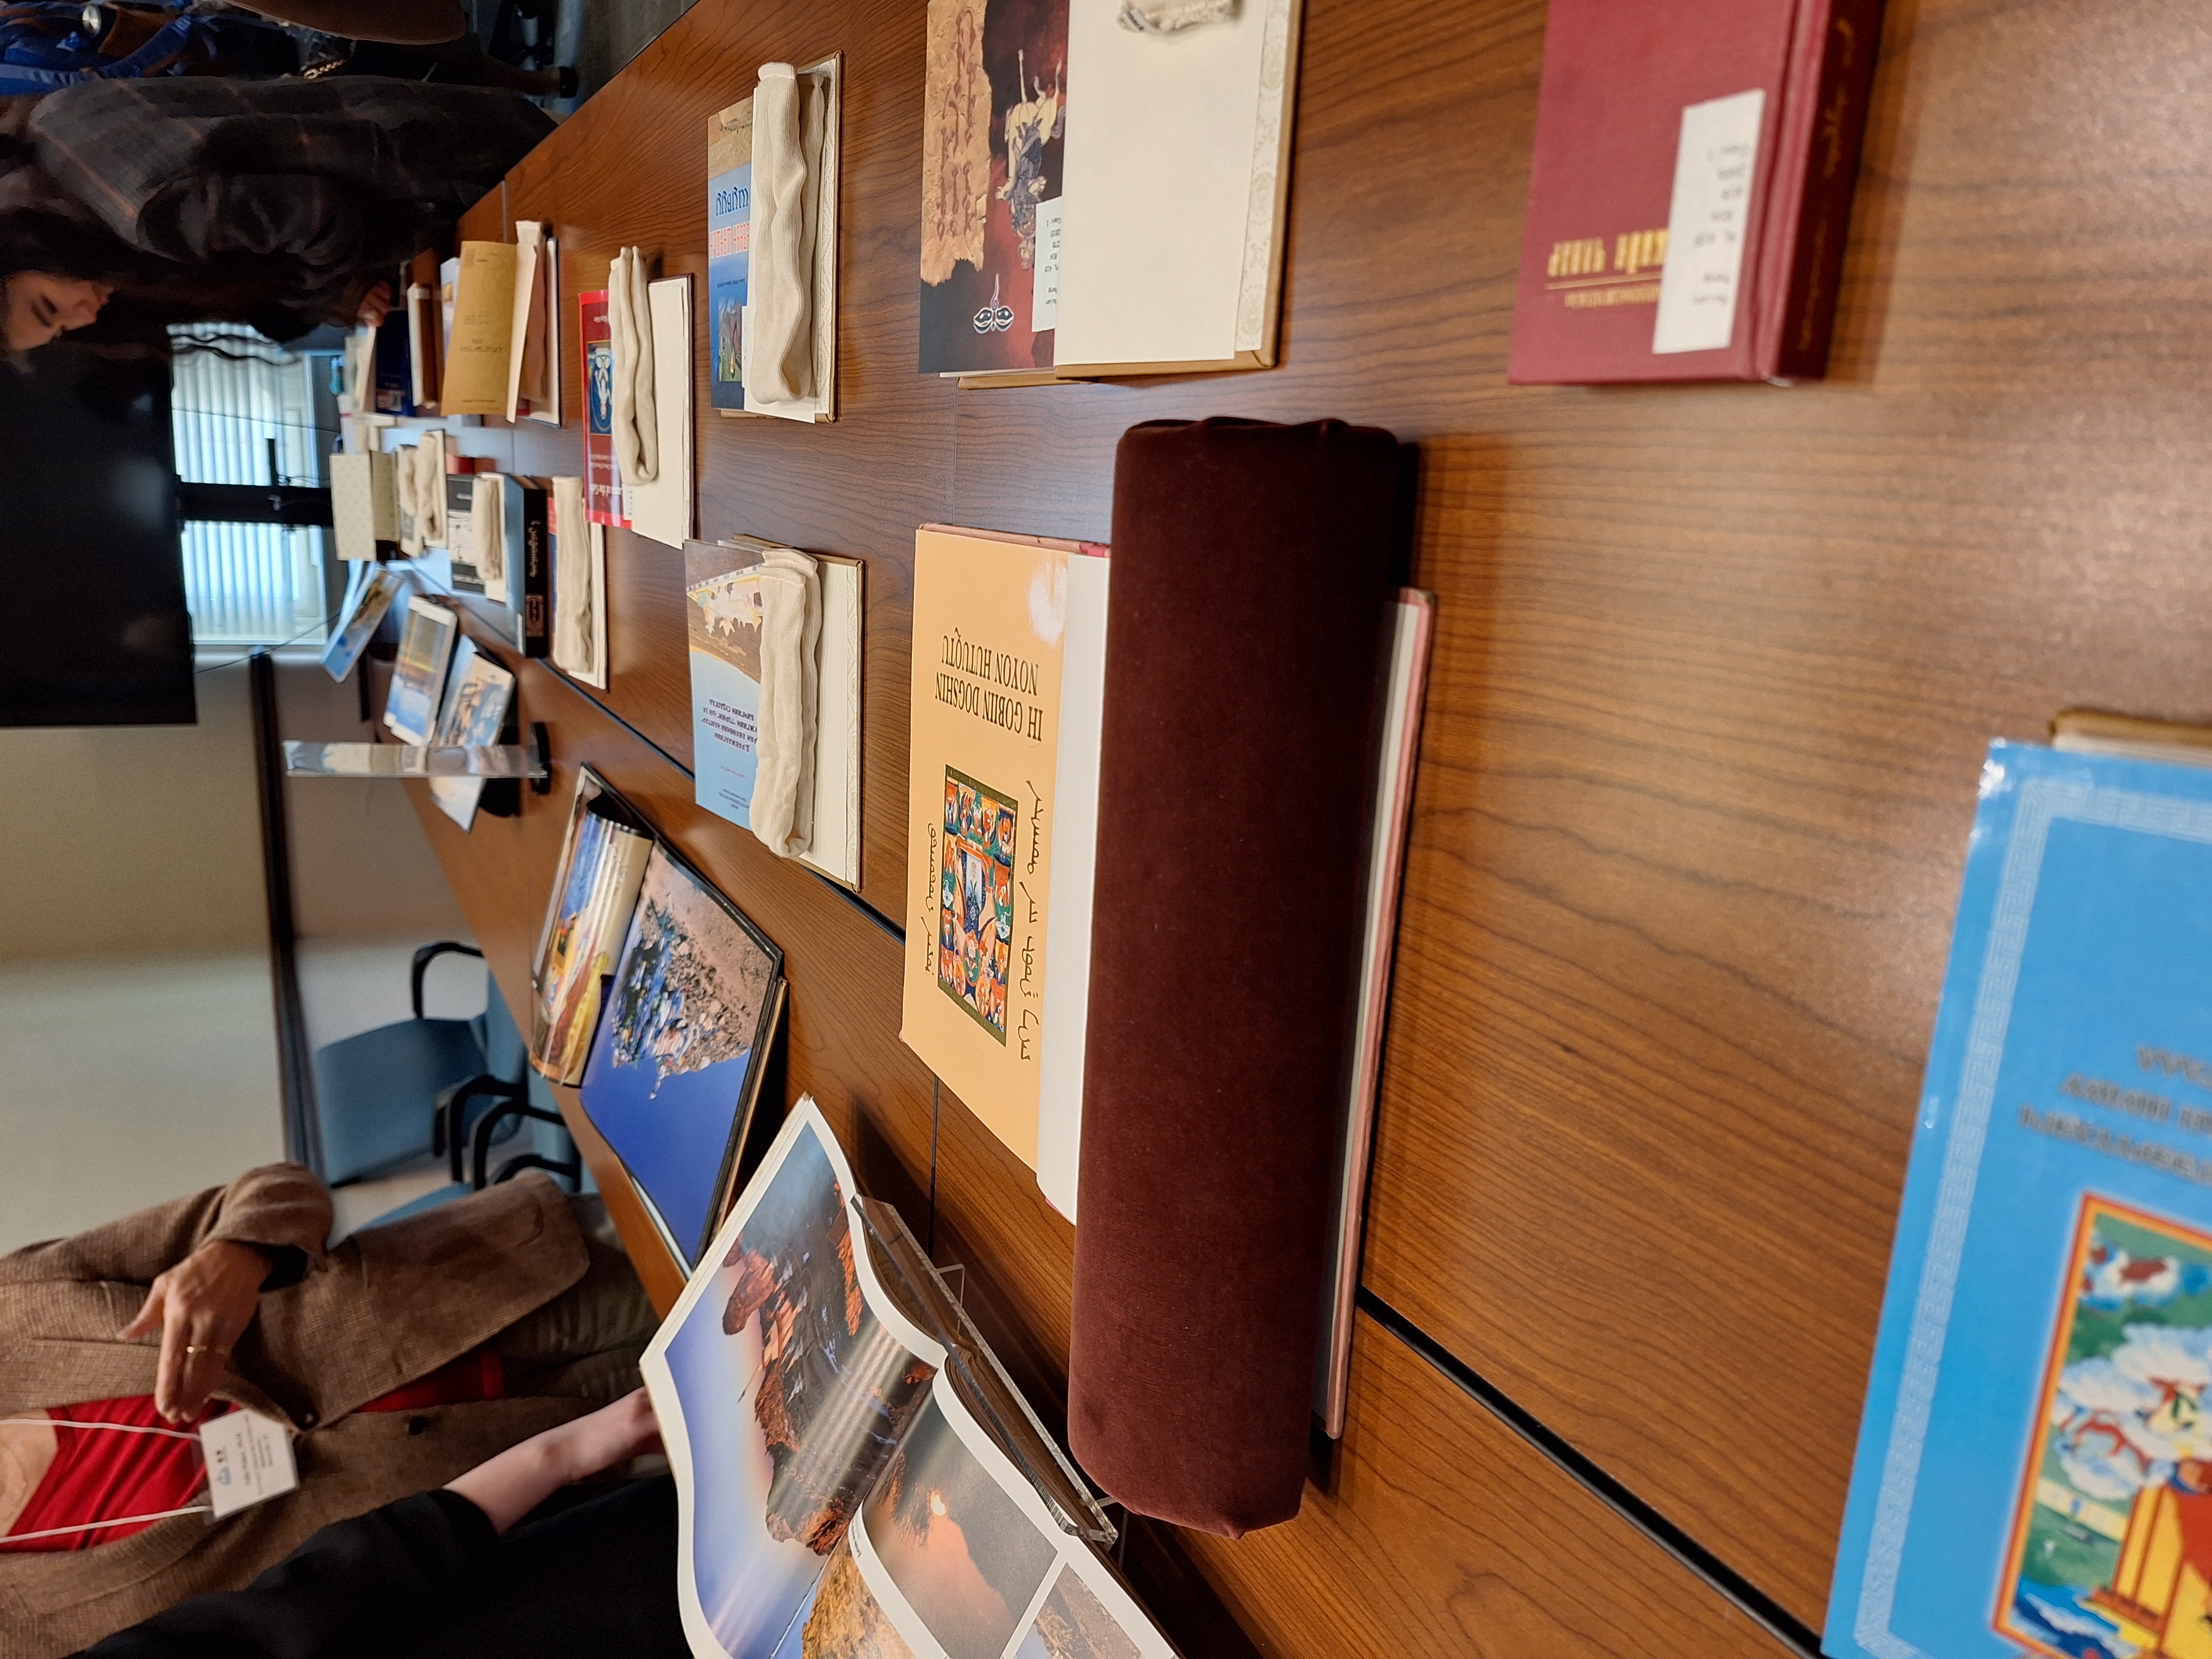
{"x": 975, "y": 900}
{"x": 994, "y": 126}
{"x": 2112, "y": 1543}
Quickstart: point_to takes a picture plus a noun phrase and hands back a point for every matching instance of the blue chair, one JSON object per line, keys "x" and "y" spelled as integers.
{"x": 390, "y": 1097}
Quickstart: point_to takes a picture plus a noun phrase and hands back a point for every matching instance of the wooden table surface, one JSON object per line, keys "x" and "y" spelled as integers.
{"x": 1714, "y": 670}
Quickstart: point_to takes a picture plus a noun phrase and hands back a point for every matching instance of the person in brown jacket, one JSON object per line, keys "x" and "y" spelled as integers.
{"x": 394, "y": 1361}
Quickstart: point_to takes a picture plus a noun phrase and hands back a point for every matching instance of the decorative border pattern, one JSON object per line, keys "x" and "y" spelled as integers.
{"x": 2043, "y": 801}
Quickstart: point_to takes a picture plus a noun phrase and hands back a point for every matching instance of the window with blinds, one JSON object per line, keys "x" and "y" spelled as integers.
{"x": 237, "y": 401}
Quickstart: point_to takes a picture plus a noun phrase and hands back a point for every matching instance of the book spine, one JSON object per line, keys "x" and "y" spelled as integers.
{"x": 1838, "y": 67}
{"x": 533, "y": 600}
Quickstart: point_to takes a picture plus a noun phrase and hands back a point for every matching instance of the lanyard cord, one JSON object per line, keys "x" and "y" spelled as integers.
{"x": 94, "y": 1526}
{"x": 118, "y": 1428}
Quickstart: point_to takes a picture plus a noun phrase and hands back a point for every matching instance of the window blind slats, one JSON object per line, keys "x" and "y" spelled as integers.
{"x": 247, "y": 584}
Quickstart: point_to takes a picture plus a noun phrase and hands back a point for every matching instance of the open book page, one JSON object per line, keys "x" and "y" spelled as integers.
{"x": 965, "y": 1561}
{"x": 783, "y": 1378}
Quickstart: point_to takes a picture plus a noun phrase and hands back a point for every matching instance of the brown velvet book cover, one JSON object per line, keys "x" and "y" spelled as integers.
{"x": 1245, "y": 640}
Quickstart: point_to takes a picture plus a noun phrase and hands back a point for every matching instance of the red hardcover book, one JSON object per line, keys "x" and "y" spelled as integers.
{"x": 1691, "y": 188}
{"x": 604, "y": 502}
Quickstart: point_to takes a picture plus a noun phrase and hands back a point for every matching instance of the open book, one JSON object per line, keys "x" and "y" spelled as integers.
{"x": 856, "y": 1476}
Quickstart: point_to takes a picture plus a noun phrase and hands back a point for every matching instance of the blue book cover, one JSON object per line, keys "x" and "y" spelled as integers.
{"x": 722, "y": 620}
{"x": 675, "y": 1066}
{"x": 2034, "y": 1468}
{"x": 729, "y": 251}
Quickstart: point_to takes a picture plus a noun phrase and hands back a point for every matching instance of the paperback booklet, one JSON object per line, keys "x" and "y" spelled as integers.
{"x": 990, "y": 624}
{"x": 603, "y": 484}
{"x": 474, "y": 712}
{"x": 722, "y": 620}
{"x": 418, "y": 676}
{"x": 676, "y": 1069}
{"x": 602, "y": 857}
{"x": 370, "y": 590}
{"x": 2034, "y": 1468}
{"x": 729, "y": 251}
{"x": 839, "y": 1491}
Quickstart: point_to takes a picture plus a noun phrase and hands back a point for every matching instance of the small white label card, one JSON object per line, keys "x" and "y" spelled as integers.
{"x": 249, "y": 1458}
{"x": 1714, "y": 166}
{"x": 1044, "y": 294}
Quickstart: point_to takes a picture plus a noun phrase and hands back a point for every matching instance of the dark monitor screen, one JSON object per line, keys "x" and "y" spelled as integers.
{"x": 93, "y": 627}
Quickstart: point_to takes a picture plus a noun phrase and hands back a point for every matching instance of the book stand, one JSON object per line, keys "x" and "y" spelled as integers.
{"x": 919, "y": 1287}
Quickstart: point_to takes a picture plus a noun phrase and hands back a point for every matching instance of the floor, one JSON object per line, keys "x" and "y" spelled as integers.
{"x": 127, "y": 1081}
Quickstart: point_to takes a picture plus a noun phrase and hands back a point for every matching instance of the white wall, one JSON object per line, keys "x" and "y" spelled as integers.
{"x": 137, "y": 1036}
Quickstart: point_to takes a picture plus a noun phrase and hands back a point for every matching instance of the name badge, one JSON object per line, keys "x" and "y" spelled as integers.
{"x": 249, "y": 1459}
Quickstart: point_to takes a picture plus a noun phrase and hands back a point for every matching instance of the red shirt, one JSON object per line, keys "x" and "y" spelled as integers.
{"x": 99, "y": 1474}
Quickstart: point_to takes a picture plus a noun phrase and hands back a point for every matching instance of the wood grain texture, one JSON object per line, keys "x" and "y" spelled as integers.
{"x": 1443, "y": 1532}
{"x": 1714, "y": 669}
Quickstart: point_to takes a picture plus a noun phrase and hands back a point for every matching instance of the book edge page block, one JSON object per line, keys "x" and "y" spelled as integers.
{"x": 1074, "y": 851}
{"x": 1172, "y": 231}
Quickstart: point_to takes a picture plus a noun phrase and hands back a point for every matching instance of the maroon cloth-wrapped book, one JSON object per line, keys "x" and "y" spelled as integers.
{"x": 1245, "y": 628}
{"x": 1691, "y": 188}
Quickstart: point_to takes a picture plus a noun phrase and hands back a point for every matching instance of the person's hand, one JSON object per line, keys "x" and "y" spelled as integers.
{"x": 376, "y": 305}
{"x": 201, "y": 1307}
{"x": 613, "y": 1434}
{"x": 522, "y": 1477}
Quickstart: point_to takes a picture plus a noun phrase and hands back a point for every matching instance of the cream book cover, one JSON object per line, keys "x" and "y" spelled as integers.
{"x": 990, "y": 619}
{"x": 483, "y": 329}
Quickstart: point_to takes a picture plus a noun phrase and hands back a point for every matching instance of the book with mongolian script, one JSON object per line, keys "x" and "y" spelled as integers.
{"x": 990, "y": 625}
{"x": 2034, "y": 1468}
{"x": 729, "y": 251}
{"x": 1691, "y": 189}
{"x": 476, "y": 366}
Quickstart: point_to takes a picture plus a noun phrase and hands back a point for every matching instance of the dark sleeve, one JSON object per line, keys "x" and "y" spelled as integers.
{"x": 357, "y": 1589}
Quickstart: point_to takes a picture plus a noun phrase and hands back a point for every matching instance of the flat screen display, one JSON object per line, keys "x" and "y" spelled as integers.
{"x": 92, "y": 627}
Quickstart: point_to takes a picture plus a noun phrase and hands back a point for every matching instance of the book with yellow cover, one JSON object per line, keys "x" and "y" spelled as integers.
{"x": 484, "y": 328}
{"x": 990, "y": 615}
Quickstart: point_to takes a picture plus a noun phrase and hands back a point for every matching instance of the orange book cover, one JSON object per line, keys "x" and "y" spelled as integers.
{"x": 989, "y": 619}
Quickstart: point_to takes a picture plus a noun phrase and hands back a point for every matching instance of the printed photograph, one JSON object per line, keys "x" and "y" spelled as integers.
{"x": 722, "y": 590}
{"x": 792, "y": 1396}
{"x": 975, "y": 900}
{"x": 843, "y": 1620}
{"x": 475, "y": 710}
{"x": 369, "y": 594}
{"x": 1074, "y": 1624}
{"x": 2112, "y": 1550}
{"x": 673, "y": 1068}
{"x": 418, "y": 676}
{"x": 967, "y": 1560}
